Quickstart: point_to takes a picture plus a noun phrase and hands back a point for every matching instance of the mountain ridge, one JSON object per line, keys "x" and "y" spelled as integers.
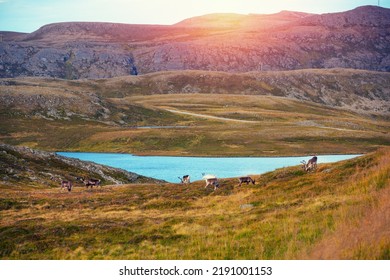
{"x": 357, "y": 39}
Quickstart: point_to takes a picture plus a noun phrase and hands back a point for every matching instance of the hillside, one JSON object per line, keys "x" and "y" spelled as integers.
{"x": 357, "y": 39}
{"x": 338, "y": 212}
{"x": 22, "y": 166}
{"x": 201, "y": 113}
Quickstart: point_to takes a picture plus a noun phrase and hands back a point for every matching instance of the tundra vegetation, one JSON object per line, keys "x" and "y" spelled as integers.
{"x": 201, "y": 113}
{"x": 338, "y": 212}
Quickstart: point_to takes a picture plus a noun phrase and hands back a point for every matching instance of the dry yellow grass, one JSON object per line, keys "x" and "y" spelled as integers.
{"x": 341, "y": 211}
{"x": 363, "y": 233}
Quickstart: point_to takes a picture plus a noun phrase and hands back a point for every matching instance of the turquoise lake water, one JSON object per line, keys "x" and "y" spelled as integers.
{"x": 170, "y": 168}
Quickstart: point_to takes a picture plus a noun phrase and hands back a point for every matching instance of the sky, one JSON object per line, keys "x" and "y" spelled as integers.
{"x": 29, "y": 15}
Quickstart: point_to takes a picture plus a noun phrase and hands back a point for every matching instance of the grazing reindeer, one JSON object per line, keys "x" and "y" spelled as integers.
{"x": 313, "y": 162}
{"x": 246, "y": 180}
{"x": 185, "y": 179}
{"x": 211, "y": 180}
{"x": 90, "y": 182}
{"x": 66, "y": 184}
{"x": 310, "y": 165}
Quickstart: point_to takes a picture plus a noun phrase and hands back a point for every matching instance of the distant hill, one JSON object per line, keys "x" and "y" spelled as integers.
{"x": 363, "y": 92}
{"x": 340, "y": 211}
{"x": 175, "y": 112}
{"x": 357, "y": 39}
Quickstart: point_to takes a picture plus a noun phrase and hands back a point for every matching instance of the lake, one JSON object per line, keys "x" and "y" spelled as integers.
{"x": 169, "y": 168}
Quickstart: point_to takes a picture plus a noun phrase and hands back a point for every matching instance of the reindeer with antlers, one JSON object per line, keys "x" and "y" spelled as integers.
{"x": 89, "y": 182}
{"x": 310, "y": 165}
{"x": 246, "y": 180}
{"x": 211, "y": 180}
{"x": 185, "y": 179}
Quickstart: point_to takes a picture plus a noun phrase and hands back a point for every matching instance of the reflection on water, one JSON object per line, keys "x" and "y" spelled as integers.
{"x": 170, "y": 168}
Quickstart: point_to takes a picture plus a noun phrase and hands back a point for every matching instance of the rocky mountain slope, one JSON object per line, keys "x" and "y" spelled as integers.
{"x": 358, "y": 39}
{"x": 38, "y": 168}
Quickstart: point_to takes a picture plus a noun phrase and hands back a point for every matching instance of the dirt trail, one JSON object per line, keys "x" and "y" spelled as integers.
{"x": 209, "y": 117}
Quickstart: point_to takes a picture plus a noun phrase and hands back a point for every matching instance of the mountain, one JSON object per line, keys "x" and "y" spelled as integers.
{"x": 358, "y": 39}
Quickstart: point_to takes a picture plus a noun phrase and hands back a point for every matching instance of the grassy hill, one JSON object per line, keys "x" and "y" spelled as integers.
{"x": 201, "y": 113}
{"x": 338, "y": 212}
{"x": 22, "y": 166}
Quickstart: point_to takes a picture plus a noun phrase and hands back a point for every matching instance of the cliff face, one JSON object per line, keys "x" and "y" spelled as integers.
{"x": 358, "y": 39}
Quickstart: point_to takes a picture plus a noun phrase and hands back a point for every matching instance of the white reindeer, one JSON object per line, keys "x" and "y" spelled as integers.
{"x": 211, "y": 180}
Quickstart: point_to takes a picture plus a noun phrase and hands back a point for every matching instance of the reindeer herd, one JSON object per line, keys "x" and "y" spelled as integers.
{"x": 88, "y": 182}
{"x": 210, "y": 180}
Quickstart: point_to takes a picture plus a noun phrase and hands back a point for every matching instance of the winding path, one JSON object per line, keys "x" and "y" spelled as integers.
{"x": 209, "y": 117}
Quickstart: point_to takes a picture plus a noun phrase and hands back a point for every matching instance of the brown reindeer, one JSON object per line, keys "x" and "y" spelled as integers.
{"x": 185, "y": 179}
{"x": 66, "y": 184}
{"x": 90, "y": 182}
{"x": 246, "y": 180}
{"x": 310, "y": 165}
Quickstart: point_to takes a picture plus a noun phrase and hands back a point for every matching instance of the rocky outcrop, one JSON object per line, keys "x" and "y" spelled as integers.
{"x": 53, "y": 101}
{"x": 70, "y": 61}
{"x": 22, "y": 164}
{"x": 358, "y": 39}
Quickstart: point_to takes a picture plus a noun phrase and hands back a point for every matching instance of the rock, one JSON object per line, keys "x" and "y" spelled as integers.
{"x": 246, "y": 206}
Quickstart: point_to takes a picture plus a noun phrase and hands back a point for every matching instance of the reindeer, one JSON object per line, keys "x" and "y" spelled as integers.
{"x": 246, "y": 180}
{"x": 185, "y": 179}
{"x": 89, "y": 182}
{"x": 211, "y": 180}
{"x": 66, "y": 184}
{"x": 310, "y": 165}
